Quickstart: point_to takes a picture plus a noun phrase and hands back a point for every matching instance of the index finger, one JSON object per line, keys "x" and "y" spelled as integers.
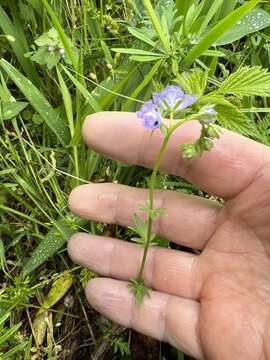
{"x": 224, "y": 171}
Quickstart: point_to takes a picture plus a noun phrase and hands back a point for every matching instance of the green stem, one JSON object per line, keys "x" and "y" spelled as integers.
{"x": 164, "y": 144}
{"x": 151, "y": 198}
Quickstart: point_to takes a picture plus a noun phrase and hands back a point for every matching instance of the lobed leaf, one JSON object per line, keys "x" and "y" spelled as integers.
{"x": 193, "y": 82}
{"x": 247, "y": 81}
{"x": 231, "y": 118}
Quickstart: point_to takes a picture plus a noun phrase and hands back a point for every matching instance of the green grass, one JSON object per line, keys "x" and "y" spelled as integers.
{"x": 116, "y": 54}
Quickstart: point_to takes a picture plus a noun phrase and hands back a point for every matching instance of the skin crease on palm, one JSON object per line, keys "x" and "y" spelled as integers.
{"x": 215, "y": 305}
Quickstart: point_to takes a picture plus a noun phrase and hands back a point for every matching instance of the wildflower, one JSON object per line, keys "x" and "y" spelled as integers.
{"x": 150, "y": 115}
{"x": 174, "y": 98}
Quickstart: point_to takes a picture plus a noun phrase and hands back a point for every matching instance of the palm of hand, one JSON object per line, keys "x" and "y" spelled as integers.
{"x": 214, "y": 305}
{"x": 234, "y": 294}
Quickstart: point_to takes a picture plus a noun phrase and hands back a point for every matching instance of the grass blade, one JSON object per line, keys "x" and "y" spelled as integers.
{"x": 18, "y": 46}
{"x": 9, "y": 333}
{"x": 142, "y": 85}
{"x": 139, "y": 35}
{"x": 217, "y": 31}
{"x": 17, "y": 349}
{"x": 49, "y": 245}
{"x": 156, "y": 23}
{"x": 67, "y": 101}
{"x": 182, "y": 6}
{"x": 135, "y": 52}
{"x": 85, "y": 93}
{"x": 38, "y": 101}
{"x": 210, "y": 14}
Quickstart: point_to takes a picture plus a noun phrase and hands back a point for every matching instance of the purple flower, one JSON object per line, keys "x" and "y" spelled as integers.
{"x": 173, "y": 96}
{"x": 150, "y": 115}
{"x": 187, "y": 101}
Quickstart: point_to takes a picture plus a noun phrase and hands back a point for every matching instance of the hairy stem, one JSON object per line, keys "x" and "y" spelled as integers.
{"x": 151, "y": 198}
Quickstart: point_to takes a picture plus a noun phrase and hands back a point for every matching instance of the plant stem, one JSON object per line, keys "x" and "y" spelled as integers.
{"x": 151, "y": 198}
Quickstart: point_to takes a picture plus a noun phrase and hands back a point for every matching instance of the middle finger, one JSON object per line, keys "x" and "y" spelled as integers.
{"x": 188, "y": 220}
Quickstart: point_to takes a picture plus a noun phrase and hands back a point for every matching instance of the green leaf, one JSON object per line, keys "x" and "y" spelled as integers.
{"x": 9, "y": 333}
{"x": 157, "y": 26}
{"x": 193, "y": 82}
{"x": 111, "y": 91}
{"x": 139, "y": 290}
{"x": 37, "y": 6}
{"x": 213, "y": 99}
{"x": 38, "y": 101}
{"x": 214, "y": 53}
{"x": 154, "y": 69}
{"x": 152, "y": 213}
{"x": 64, "y": 38}
{"x": 49, "y": 38}
{"x": 82, "y": 89}
{"x": 218, "y": 30}
{"x": 139, "y": 34}
{"x": 212, "y": 11}
{"x": 209, "y": 132}
{"x": 182, "y": 6}
{"x": 180, "y": 355}
{"x": 140, "y": 227}
{"x": 247, "y": 81}
{"x": 3, "y": 266}
{"x": 135, "y": 52}
{"x": 227, "y": 7}
{"x": 255, "y": 20}
{"x": 231, "y": 118}
{"x": 49, "y": 245}
{"x": 107, "y": 52}
{"x": 4, "y": 318}
{"x": 11, "y": 109}
{"x": 142, "y": 58}
{"x": 16, "y": 350}
{"x": 67, "y": 101}
{"x": 119, "y": 345}
{"x": 60, "y": 286}
{"x": 43, "y": 57}
{"x": 20, "y": 46}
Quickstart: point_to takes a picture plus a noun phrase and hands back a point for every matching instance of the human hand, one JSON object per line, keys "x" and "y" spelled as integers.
{"x": 215, "y": 305}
